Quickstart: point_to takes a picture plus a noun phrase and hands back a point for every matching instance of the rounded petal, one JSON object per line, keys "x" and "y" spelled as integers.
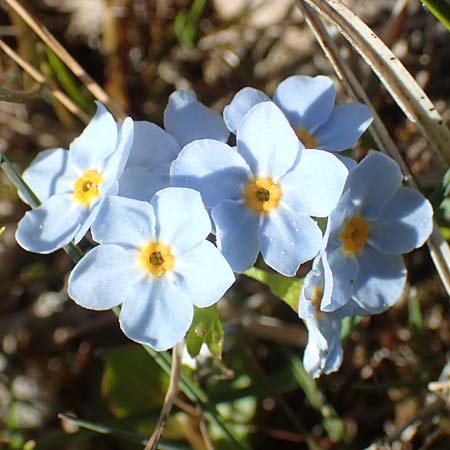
{"x": 405, "y": 222}
{"x": 267, "y": 142}
{"x": 288, "y": 239}
{"x": 102, "y": 278}
{"x": 344, "y": 127}
{"x": 345, "y": 271}
{"x": 116, "y": 162}
{"x": 203, "y": 274}
{"x": 306, "y": 101}
{"x": 323, "y": 352}
{"x": 181, "y": 218}
{"x": 212, "y": 168}
{"x": 51, "y": 226}
{"x": 373, "y": 182}
{"x": 142, "y": 183}
{"x": 237, "y": 234}
{"x": 124, "y": 221}
{"x": 314, "y": 185}
{"x": 96, "y": 142}
{"x": 380, "y": 280}
{"x": 45, "y": 173}
{"x": 241, "y": 104}
{"x": 152, "y": 146}
{"x": 156, "y": 313}
{"x": 187, "y": 120}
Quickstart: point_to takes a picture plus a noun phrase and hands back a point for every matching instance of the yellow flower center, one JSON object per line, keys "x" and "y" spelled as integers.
{"x": 306, "y": 138}
{"x": 156, "y": 258}
{"x": 85, "y": 189}
{"x": 262, "y": 195}
{"x": 354, "y": 235}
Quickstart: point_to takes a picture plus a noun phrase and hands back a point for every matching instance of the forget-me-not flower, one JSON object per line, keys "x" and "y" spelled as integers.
{"x": 374, "y": 223}
{"x": 71, "y": 185}
{"x": 185, "y": 120}
{"x": 308, "y": 103}
{"x": 155, "y": 261}
{"x": 263, "y": 193}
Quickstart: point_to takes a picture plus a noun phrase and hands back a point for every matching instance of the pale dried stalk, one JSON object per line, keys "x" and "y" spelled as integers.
{"x": 171, "y": 393}
{"x": 439, "y": 249}
{"x": 38, "y": 77}
{"x": 70, "y": 62}
{"x": 396, "y": 79}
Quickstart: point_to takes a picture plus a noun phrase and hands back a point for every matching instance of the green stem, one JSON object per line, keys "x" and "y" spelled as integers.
{"x": 440, "y": 9}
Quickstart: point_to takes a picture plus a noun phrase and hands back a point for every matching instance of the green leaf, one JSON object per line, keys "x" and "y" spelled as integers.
{"x": 206, "y": 328}
{"x": 187, "y": 24}
{"x": 132, "y": 382}
{"x": 288, "y": 289}
{"x": 440, "y": 9}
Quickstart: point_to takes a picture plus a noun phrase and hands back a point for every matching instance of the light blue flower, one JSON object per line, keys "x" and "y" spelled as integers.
{"x": 263, "y": 193}
{"x": 72, "y": 185}
{"x": 374, "y": 223}
{"x": 308, "y": 103}
{"x": 185, "y": 120}
{"x": 155, "y": 261}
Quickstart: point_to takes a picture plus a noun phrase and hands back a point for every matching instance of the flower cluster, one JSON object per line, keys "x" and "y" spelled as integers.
{"x": 157, "y": 200}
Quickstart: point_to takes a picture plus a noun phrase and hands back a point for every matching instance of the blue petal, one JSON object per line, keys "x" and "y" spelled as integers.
{"x": 187, "y": 120}
{"x": 241, "y": 104}
{"x": 267, "y": 142}
{"x": 405, "y": 223}
{"x": 203, "y": 274}
{"x": 214, "y": 169}
{"x": 314, "y": 185}
{"x": 156, "y": 312}
{"x": 374, "y": 181}
{"x": 323, "y": 353}
{"x": 306, "y": 101}
{"x": 45, "y": 173}
{"x": 344, "y": 127}
{"x": 116, "y": 162}
{"x": 288, "y": 239}
{"x": 51, "y": 226}
{"x": 102, "y": 278}
{"x": 124, "y": 221}
{"x": 380, "y": 280}
{"x": 236, "y": 231}
{"x": 152, "y": 146}
{"x": 142, "y": 183}
{"x": 345, "y": 271}
{"x": 181, "y": 218}
{"x": 96, "y": 142}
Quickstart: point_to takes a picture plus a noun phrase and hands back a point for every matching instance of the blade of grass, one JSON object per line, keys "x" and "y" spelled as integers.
{"x": 440, "y": 9}
{"x": 397, "y": 80}
{"x": 331, "y": 422}
{"x": 439, "y": 249}
{"x": 37, "y": 76}
{"x": 114, "y": 431}
{"x": 65, "y": 56}
{"x": 69, "y": 84}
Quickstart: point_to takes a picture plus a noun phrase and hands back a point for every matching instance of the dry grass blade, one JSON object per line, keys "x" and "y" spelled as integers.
{"x": 396, "y": 79}
{"x": 439, "y": 249}
{"x": 65, "y": 56}
{"x": 38, "y": 77}
{"x": 171, "y": 393}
